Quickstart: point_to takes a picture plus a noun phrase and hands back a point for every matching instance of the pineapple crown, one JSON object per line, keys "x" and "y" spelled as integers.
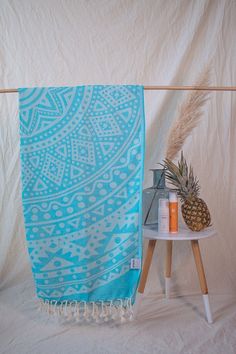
{"x": 181, "y": 176}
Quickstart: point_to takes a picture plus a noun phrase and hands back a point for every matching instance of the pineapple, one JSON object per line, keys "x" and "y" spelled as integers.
{"x": 194, "y": 210}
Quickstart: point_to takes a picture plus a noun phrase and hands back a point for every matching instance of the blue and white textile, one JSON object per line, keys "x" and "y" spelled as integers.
{"x": 82, "y": 154}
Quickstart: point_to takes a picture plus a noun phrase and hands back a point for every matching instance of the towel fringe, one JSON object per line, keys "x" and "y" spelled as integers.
{"x": 120, "y": 310}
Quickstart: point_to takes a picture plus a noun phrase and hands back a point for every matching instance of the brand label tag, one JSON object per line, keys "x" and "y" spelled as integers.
{"x": 135, "y": 263}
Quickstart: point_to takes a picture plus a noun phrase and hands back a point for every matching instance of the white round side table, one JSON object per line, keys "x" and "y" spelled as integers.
{"x": 184, "y": 234}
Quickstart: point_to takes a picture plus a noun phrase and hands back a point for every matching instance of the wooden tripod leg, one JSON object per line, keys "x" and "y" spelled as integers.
{"x": 146, "y": 266}
{"x": 202, "y": 278}
{"x": 169, "y": 245}
{"x": 199, "y": 266}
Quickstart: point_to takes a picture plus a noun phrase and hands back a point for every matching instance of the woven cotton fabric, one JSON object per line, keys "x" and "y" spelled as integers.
{"x": 81, "y": 154}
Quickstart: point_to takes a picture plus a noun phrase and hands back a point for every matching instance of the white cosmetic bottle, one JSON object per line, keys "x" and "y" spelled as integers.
{"x": 163, "y": 215}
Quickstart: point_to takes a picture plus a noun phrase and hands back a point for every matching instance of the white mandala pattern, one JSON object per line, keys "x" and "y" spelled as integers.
{"x": 81, "y": 165}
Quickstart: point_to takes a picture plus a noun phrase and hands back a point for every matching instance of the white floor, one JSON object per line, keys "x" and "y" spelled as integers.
{"x": 171, "y": 326}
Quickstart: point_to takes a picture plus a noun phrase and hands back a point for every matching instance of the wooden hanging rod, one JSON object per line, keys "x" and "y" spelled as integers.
{"x": 163, "y": 88}
{"x": 191, "y": 88}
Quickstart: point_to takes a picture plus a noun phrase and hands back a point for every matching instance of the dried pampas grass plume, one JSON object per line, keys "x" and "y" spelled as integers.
{"x": 190, "y": 113}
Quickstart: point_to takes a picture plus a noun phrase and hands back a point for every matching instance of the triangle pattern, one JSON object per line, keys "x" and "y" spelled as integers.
{"x": 106, "y": 147}
{"x": 39, "y": 185}
{"x": 110, "y": 244}
{"x": 64, "y": 94}
{"x": 75, "y": 172}
{"x": 26, "y": 119}
{"x": 34, "y": 160}
{"x": 49, "y": 229}
{"x": 99, "y": 106}
{"x": 43, "y": 122}
{"x": 59, "y": 98}
{"x": 62, "y": 150}
{"x": 74, "y": 223}
{"x": 28, "y": 175}
{"x": 55, "y": 293}
{"x": 134, "y": 209}
{"x": 41, "y": 293}
{"x": 82, "y": 242}
{"x": 124, "y": 229}
{"x": 48, "y": 104}
{"x": 99, "y": 211}
{"x": 84, "y": 288}
{"x": 125, "y": 114}
{"x": 70, "y": 291}
{"x": 57, "y": 263}
{"x": 122, "y": 194}
{"x": 104, "y": 242}
{"x": 112, "y": 276}
{"x": 84, "y": 131}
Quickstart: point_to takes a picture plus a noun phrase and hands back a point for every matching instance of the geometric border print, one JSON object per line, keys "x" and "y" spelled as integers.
{"x": 82, "y": 166}
{"x": 105, "y": 125}
{"x": 53, "y": 169}
{"x": 83, "y": 151}
{"x": 117, "y": 95}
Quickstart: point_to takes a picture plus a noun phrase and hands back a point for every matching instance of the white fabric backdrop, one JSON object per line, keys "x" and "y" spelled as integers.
{"x": 52, "y": 43}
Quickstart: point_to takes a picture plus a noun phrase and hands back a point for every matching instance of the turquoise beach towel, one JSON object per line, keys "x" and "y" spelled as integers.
{"x": 82, "y": 154}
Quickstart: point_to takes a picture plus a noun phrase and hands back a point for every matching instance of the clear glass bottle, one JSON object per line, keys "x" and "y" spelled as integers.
{"x": 151, "y": 198}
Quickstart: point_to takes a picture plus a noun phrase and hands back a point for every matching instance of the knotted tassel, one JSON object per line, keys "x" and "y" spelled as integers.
{"x": 102, "y": 313}
{"x": 65, "y": 314}
{"x": 79, "y": 311}
{"x": 122, "y": 312}
{"x": 69, "y": 312}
